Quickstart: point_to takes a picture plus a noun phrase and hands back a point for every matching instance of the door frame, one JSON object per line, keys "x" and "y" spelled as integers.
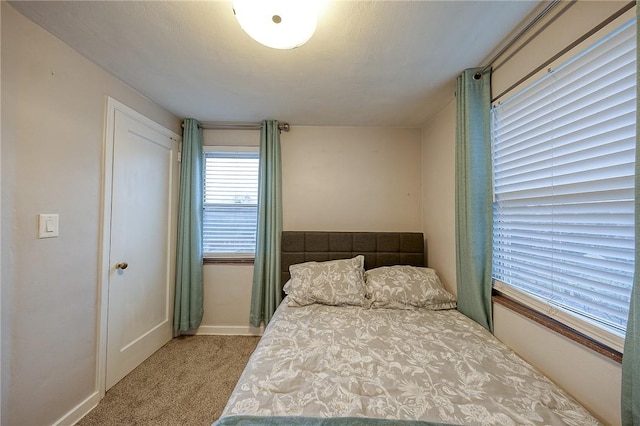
{"x": 112, "y": 106}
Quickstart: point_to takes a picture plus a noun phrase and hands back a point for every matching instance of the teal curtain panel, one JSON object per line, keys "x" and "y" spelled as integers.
{"x": 474, "y": 196}
{"x": 188, "y": 308}
{"x": 630, "y": 401}
{"x": 266, "y": 292}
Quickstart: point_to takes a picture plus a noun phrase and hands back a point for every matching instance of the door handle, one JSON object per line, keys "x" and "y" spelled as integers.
{"x": 122, "y": 265}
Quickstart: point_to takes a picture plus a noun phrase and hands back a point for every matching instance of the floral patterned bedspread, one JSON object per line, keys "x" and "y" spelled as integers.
{"x": 435, "y": 366}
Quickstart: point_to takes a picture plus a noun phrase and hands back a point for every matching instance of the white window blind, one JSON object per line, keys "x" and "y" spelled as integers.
{"x": 230, "y": 203}
{"x": 564, "y": 161}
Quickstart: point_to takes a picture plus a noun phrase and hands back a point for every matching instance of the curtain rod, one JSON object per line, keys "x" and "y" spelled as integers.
{"x": 585, "y": 36}
{"x": 520, "y": 34}
{"x": 285, "y": 127}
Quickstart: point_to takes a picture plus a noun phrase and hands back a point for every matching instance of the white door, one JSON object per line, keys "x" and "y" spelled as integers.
{"x": 142, "y": 243}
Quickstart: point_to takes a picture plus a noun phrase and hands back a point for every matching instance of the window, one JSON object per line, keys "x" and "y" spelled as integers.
{"x": 564, "y": 159}
{"x": 230, "y": 202}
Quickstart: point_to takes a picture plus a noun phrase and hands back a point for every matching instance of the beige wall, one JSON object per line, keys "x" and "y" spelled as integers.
{"x": 227, "y": 300}
{"x": 351, "y": 179}
{"x": 438, "y": 187}
{"x": 592, "y": 379}
{"x": 334, "y": 179}
{"x": 53, "y": 108}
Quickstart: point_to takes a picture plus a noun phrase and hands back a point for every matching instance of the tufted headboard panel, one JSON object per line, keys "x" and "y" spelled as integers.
{"x": 378, "y": 248}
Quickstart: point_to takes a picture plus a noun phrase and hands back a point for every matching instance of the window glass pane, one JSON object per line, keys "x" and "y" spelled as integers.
{"x": 564, "y": 166}
{"x": 230, "y": 202}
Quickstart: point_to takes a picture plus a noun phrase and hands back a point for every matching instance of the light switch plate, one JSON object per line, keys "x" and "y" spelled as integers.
{"x": 47, "y": 225}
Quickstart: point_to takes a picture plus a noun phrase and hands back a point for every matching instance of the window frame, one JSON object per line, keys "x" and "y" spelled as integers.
{"x": 226, "y": 258}
{"x": 603, "y": 336}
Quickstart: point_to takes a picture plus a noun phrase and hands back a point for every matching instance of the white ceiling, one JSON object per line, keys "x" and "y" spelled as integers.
{"x": 370, "y": 63}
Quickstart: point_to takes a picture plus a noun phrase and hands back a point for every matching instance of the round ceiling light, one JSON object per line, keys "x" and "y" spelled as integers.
{"x": 280, "y": 24}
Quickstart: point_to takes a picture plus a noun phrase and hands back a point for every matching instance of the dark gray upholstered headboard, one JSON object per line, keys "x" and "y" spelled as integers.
{"x": 378, "y": 248}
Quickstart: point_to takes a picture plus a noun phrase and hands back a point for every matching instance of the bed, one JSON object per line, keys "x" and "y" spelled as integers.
{"x": 404, "y": 355}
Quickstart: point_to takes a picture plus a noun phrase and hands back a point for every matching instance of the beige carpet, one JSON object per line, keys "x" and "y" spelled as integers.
{"x": 186, "y": 382}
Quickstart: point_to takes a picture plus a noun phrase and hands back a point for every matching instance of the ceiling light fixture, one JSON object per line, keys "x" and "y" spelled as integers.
{"x": 280, "y": 24}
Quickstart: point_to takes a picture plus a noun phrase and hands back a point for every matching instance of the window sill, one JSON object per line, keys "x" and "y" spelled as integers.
{"x": 226, "y": 261}
{"x": 556, "y": 326}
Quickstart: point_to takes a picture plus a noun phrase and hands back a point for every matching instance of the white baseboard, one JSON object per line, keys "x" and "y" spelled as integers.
{"x": 219, "y": 330}
{"x": 79, "y": 411}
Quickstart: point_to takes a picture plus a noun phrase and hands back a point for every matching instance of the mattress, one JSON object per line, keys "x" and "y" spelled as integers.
{"x": 321, "y": 364}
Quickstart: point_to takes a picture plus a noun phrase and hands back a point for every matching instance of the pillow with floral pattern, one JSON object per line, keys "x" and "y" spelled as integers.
{"x": 407, "y": 287}
{"x": 335, "y": 282}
